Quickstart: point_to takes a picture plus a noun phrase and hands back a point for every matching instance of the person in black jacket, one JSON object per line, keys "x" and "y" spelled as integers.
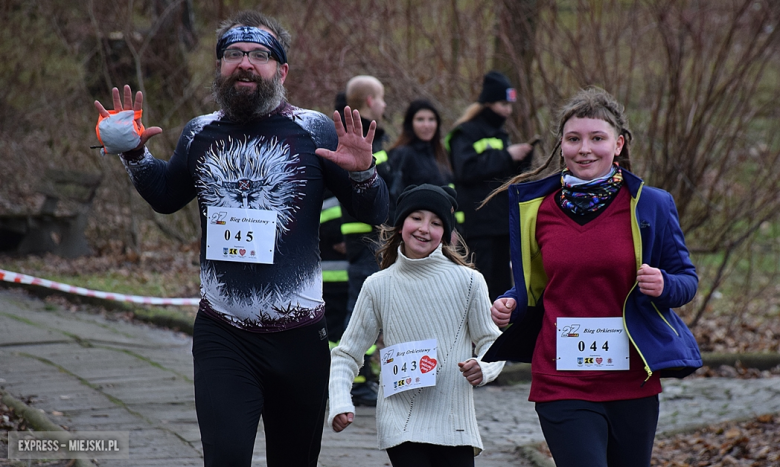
{"x": 418, "y": 155}
{"x": 482, "y": 158}
{"x": 366, "y": 94}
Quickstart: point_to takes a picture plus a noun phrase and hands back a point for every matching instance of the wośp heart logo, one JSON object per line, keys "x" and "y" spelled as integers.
{"x": 427, "y": 364}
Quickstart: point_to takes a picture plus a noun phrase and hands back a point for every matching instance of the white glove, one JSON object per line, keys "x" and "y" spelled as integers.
{"x": 119, "y": 132}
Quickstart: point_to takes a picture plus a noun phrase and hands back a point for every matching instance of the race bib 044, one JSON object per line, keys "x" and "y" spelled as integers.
{"x": 588, "y": 344}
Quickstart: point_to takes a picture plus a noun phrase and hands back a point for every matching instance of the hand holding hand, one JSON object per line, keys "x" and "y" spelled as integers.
{"x": 471, "y": 371}
{"x": 501, "y": 311}
{"x": 650, "y": 280}
{"x": 342, "y": 421}
{"x": 129, "y": 104}
{"x": 353, "y": 153}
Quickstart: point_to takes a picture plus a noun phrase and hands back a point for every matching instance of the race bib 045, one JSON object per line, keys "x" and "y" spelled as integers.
{"x": 240, "y": 235}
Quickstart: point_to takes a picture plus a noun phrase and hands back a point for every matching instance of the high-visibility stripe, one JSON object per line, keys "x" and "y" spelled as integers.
{"x": 380, "y": 156}
{"x": 488, "y": 143}
{"x": 334, "y": 276}
{"x": 355, "y": 228}
{"x": 334, "y": 271}
{"x": 330, "y": 214}
{"x": 334, "y": 265}
{"x": 330, "y": 202}
{"x": 460, "y": 216}
{"x": 335, "y": 212}
{"x": 447, "y": 139}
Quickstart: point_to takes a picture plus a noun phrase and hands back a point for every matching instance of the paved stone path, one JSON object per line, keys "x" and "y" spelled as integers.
{"x": 90, "y": 373}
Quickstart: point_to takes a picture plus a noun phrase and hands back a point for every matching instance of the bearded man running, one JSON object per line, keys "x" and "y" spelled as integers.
{"x": 258, "y": 168}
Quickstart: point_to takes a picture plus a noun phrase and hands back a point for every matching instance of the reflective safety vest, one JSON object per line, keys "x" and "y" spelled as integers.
{"x": 459, "y": 215}
{"x": 331, "y": 210}
{"x": 480, "y": 147}
{"x": 488, "y": 143}
{"x": 332, "y": 271}
{"x": 352, "y": 228}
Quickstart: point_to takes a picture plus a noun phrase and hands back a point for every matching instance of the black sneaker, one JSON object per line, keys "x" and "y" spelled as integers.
{"x": 365, "y": 393}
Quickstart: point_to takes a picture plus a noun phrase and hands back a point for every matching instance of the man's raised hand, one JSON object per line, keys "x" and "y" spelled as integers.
{"x": 353, "y": 153}
{"x": 129, "y": 104}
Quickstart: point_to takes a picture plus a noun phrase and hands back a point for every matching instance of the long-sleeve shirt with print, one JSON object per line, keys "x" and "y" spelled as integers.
{"x": 265, "y": 164}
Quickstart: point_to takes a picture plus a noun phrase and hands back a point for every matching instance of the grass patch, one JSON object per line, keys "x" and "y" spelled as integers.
{"x": 149, "y": 284}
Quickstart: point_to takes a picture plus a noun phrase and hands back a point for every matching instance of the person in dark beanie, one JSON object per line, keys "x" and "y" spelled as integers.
{"x": 431, "y": 306}
{"x": 440, "y": 200}
{"x": 482, "y": 159}
{"x": 496, "y": 88}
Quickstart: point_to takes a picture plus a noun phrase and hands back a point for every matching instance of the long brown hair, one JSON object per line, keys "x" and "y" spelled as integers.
{"x": 408, "y": 135}
{"x": 591, "y": 102}
{"x": 390, "y": 239}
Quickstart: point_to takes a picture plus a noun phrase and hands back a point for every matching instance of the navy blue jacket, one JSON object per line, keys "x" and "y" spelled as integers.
{"x": 660, "y": 337}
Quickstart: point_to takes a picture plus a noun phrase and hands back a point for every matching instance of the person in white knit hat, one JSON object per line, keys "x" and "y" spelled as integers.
{"x": 431, "y": 305}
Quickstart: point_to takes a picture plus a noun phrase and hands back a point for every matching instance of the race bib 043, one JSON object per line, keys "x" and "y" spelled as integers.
{"x": 408, "y": 365}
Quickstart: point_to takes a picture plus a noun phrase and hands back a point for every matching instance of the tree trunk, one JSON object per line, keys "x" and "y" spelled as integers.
{"x": 515, "y": 47}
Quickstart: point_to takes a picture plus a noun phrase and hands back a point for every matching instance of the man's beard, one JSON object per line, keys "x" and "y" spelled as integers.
{"x": 241, "y": 105}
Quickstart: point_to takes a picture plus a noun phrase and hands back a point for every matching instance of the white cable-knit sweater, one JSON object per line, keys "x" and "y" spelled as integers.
{"x": 412, "y": 300}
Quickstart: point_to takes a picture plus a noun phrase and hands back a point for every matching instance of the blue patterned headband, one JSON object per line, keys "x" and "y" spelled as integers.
{"x": 254, "y": 35}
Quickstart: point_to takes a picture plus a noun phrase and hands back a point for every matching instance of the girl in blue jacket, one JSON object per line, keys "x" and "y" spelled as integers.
{"x": 599, "y": 261}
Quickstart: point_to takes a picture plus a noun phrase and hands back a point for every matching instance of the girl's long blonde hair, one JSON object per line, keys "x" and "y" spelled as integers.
{"x": 390, "y": 239}
{"x": 471, "y": 111}
{"x": 591, "y": 102}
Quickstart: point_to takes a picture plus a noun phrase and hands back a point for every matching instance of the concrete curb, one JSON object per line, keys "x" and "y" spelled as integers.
{"x": 37, "y": 420}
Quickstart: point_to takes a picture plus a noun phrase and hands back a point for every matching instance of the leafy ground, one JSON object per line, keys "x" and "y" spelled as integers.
{"x": 10, "y": 421}
{"x": 167, "y": 273}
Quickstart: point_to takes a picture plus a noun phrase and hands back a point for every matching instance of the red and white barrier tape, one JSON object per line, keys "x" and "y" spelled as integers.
{"x": 9, "y": 276}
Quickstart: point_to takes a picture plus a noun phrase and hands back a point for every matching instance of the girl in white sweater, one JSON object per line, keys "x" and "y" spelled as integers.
{"x": 431, "y": 305}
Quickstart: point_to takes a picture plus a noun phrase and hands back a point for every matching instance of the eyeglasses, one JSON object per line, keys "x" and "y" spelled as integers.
{"x": 256, "y": 57}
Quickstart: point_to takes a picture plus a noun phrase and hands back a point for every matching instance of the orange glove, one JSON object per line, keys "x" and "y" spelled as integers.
{"x": 119, "y": 132}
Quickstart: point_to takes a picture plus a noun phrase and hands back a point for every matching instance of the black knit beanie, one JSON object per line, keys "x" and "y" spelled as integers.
{"x": 496, "y": 87}
{"x": 440, "y": 200}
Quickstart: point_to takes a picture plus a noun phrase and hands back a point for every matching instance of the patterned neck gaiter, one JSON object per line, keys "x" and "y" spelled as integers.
{"x": 584, "y": 196}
